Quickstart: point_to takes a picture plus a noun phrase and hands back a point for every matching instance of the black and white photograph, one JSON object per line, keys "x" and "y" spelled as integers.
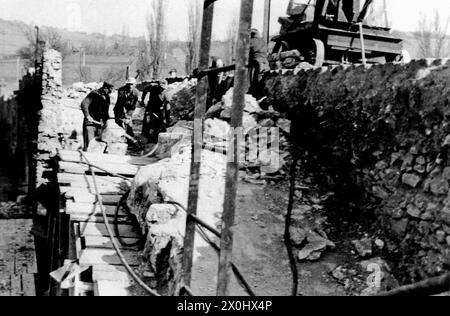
{"x": 225, "y": 153}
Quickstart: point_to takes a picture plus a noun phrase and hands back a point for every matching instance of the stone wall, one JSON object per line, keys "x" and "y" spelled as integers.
{"x": 61, "y": 118}
{"x": 50, "y": 115}
{"x": 379, "y": 138}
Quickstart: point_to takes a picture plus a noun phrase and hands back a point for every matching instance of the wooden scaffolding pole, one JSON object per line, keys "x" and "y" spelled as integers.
{"x": 240, "y": 89}
{"x": 266, "y": 31}
{"x": 197, "y": 140}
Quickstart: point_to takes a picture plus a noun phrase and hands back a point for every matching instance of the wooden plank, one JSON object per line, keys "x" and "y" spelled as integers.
{"x": 113, "y": 288}
{"x": 110, "y": 273}
{"x": 125, "y": 170}
{"x": 85, "y": 196}
{"x": 197, "y": 140}
{"x": 105, "y": 242}
{"x": 5, "y": 283}
{"x": 23, "y": 243}
{"x": 98, "y": 219}
{"x": 89, "y": 209}
{"x": 229, "y": 205}
{"x": 83, "y": 181}
{"x": 93, "y": 158}
{"x": 107, "y": 257}
{"x": 106, "y": 190}
{"x": 28, "y": 285}
{"x": 370, "y": 45}
{"x": 16, "y": 285}
{"x": 92, "y": 229}
{"x": 7, "y": 261}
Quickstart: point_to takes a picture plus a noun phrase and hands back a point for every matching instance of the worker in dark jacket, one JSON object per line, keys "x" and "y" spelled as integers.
{"x": 127, "y": 99}
{"x": 258, "y": 62}
{"x": 156, "y": 111}
{"x": 95, "y": 108}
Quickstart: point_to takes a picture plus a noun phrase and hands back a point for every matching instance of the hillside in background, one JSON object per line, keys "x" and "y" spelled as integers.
{"x": 107, "y": 57}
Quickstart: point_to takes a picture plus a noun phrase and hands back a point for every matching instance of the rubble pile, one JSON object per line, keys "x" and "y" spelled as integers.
{"x": 378, "y": 138}
{"x": 181, "y": 97}
{"x": 153, "y": 188}
{"x": 265, "y": 151}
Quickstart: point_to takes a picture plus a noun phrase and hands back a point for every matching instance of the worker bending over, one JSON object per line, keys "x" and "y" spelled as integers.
{"x": 157, "y": 115}
{"x": 127, "y": 99}
{"x": 95, "y": 109}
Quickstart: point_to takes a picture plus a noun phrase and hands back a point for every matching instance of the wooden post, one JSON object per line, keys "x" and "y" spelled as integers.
{"x": 197, "y": 140}
{"x": 363, "y": 46}
{"x": 266, "y": 31}
{"x": 240, "y": 89}
{"x": 386, "y": 17}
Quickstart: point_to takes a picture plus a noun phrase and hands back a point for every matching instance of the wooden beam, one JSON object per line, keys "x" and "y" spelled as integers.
{"x": 84, "y": 196}
{"x": 240, "y": 89}
{"x": 266, "y": 27}
{"x": 197, "y": 140}
{"x": 107, "y": 257}
{"x": 111, "y": 159}
{"x": 89, "y": 209}
{"x": 99, "y": 230}
{"x": 77, "y": 168}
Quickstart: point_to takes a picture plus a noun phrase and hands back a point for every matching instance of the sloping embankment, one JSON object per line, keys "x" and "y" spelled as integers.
{"x": 379, "y": 139}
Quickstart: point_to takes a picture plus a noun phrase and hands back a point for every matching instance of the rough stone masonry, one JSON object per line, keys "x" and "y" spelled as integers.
{"x": 379, "y": 138}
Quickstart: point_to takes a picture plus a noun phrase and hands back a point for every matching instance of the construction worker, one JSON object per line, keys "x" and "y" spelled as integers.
{"x": 173, "y": 77}
{"x": 95, "y": 108}
{"x": 127, "y": 99}
{"x": 258, "y": 62}
{"x": 156, "y": 112}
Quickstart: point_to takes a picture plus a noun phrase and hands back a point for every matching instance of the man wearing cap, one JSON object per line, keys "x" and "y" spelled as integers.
{"x": 258, "y": 62}
{"x": 127, "y": 100}
{"x": 95, "y": 108}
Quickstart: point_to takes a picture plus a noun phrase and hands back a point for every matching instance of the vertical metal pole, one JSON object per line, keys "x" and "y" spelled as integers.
{"x": 197, "y": 140}
{"x": 36, "y": 50}
{"x": 240, "y": 89}
{"x": 266, "y": 31}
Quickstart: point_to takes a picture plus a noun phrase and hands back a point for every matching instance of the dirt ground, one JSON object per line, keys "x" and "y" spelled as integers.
{"x": 260, "y": 253}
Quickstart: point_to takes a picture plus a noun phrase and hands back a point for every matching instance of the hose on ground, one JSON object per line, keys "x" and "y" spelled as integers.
{"x": 133, "y": 274}
{"x": 287, "y": 231}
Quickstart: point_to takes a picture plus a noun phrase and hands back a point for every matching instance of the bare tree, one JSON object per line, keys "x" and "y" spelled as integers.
{"x": 232, "y": 35}
{"x": 51, "y": 36}
{"x": 431, "y": 36}
{"x": 195, "y": 11}
{"x": 157, "y": 33}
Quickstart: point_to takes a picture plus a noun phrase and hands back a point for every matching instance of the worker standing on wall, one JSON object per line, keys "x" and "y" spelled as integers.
{"x": 258, "y": 62}
{"x": 95, "y": 108}
{"x": 127, "y": 99}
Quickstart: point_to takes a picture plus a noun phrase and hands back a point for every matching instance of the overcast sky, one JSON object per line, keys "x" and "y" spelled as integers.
{"x": 109, "y": 16}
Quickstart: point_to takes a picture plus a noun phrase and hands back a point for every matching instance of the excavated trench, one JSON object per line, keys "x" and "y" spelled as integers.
{"x": 373, "y": 181}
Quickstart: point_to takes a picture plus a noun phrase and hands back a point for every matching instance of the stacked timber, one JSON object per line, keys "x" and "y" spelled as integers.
{"x": 89, "y": 242}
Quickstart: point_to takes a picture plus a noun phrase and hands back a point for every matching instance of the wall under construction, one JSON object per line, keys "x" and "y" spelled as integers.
{"x": 379, "y": 137}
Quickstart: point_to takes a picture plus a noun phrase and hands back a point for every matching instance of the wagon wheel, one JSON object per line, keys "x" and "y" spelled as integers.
{"x": 318, "y": 53}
